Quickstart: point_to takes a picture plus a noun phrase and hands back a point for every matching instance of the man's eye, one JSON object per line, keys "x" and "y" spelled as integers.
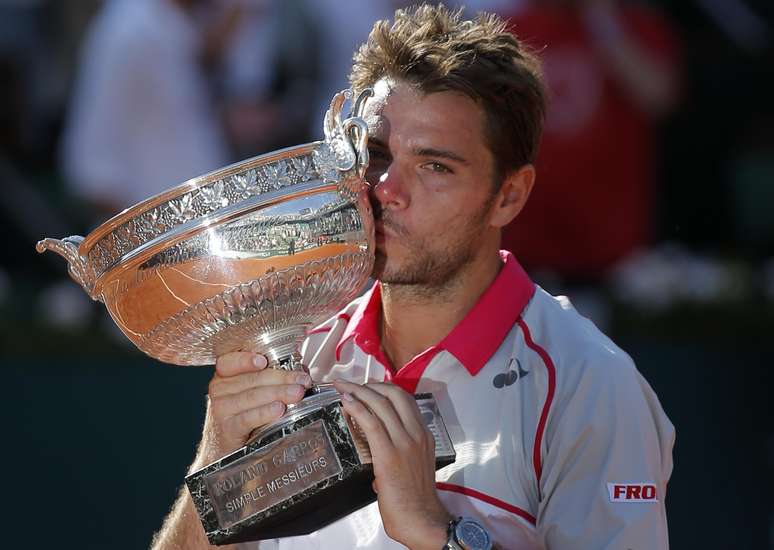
{"x": 437, "y": 167}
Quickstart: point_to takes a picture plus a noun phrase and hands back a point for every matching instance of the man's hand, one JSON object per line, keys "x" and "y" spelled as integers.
{"x": 403, "y": 453}
{"x": 243, "y": 395}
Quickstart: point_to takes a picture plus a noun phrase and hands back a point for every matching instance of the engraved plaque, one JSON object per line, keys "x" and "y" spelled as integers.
{"x": 433, "y": 420}
{"x": 298, "y": 475}
{"x": 278, "y": 472}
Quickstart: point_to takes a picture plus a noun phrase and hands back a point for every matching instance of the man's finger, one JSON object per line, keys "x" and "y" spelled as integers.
{"x": 375, "y": 432}
{"x": 405, "y": 405}
{"x": 246, "y": 421}
{"x": 380, "y": 406}
{"x": 241, "y": 382}
{"x": 239, "y": 362}
{"x": 379, "y": 403}
{"x": 235, "y": 404}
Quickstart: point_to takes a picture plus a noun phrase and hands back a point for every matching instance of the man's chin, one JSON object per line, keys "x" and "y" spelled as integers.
{"x": 391, "y": 276}
{"x": 394, "y": 271}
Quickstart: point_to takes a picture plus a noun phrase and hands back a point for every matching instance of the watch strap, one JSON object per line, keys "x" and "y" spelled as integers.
{"x": 451, "y": 538}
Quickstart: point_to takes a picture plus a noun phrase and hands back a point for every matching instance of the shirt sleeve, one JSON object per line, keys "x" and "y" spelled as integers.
{"x": 606, "y": 461}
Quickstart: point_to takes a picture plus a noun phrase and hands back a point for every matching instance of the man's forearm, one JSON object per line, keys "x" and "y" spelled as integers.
{"x": 182, "y": 529}
{"x": 243, "y": 394}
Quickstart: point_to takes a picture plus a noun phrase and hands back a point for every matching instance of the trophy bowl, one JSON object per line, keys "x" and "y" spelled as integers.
{"x": 248, "y": 257}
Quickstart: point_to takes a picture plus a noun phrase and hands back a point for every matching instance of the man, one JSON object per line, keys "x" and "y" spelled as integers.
{"x": 560, "y": 443}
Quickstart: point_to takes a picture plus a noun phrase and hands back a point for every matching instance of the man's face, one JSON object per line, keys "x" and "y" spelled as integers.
{"x": 431, "y": 184}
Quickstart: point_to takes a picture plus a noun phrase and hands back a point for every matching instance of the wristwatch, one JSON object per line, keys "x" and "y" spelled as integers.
{"x": 467, "y": 534}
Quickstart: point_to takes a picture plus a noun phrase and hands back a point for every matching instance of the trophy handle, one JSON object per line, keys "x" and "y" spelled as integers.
{"x": 357, "y": 110}
{"x": 332, "y": 126}
{"x": 355, "y": 122}
{"x": 359, "y": 128}
{"x": 348, "y": 139}
{"x": 77, "y": 266}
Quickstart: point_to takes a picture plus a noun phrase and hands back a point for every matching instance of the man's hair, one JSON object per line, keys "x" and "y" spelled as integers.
{"x": 433, "y": 49}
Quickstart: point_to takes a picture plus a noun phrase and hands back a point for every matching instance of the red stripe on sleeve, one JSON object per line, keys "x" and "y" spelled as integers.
{"x": 536, "y": 462}
{"x": 468, "y": 492}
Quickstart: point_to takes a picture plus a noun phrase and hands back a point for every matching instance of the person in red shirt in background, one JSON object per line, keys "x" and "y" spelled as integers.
{"x": 612, "y": 74}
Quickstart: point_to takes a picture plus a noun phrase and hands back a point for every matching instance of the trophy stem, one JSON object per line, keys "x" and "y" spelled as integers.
{"x": 289, "y": 362}
{"x": 281, "y": 347}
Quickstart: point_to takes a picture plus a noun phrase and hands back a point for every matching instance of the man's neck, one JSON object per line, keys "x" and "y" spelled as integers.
{"x": 415, "y": 318}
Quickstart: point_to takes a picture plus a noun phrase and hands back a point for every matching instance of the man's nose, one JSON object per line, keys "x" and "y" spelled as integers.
{"x": 390, "y": 189}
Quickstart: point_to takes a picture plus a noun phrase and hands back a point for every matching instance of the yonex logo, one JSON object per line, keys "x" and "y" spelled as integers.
{"x": 509, "y": 378}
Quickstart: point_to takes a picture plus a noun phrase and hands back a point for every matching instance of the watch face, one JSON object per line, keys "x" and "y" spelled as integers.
{"x": 472, "y": 536}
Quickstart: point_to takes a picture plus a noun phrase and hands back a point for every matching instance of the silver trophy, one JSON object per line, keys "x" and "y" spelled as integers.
{"x": 250, "y": 257}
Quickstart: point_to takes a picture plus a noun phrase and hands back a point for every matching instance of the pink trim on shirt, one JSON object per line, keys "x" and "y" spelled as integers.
{"x": 536, "y": 461}
{"x": 468, "y": 492}
{"x": 364, "y": 321}
{"x": 472, "y": 342}
{"x": 408, "y": 377}
{"x": 475, "y": 339}
{"x": 318, "y": 330}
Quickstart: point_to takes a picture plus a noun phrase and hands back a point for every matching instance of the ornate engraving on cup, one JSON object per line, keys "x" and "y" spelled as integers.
{"x": 247, "y": 257}
{"x": 259, "y": 313}
{"x": 210, "y": 198}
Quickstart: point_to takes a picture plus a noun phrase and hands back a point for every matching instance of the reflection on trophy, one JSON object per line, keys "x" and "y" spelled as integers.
{"x": 250, "y": 257}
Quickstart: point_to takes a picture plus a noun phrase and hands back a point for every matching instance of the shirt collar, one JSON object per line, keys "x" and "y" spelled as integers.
{"x": 364, "y": 325}
{"x": 475, "y": 338}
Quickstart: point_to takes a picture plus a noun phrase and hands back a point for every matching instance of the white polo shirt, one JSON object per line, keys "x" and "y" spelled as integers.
{"x": 560, "y": 441}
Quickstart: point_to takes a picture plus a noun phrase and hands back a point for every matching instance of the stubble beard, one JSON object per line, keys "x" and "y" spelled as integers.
{"x": 430, "y": 271}
{"x": 425, "y": 272}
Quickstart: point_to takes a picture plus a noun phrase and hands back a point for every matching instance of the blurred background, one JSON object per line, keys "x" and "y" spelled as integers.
{"x": 654, "y": 212}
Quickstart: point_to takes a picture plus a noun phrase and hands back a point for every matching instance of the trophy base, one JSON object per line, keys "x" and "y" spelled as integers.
{"x": 297, "y": 475}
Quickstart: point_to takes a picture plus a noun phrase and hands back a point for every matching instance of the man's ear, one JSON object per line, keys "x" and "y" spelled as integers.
{"x": 513, "y": 195}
